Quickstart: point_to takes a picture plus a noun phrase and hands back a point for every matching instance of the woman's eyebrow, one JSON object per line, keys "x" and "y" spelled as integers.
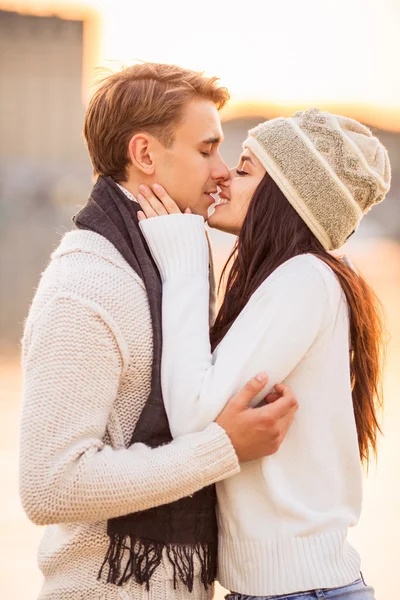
{"x": 244, "y": 158}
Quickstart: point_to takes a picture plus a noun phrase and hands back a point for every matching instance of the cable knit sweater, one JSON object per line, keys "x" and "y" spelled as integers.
{"x": 87, "y": 352}
{"x": 283, "y": 520}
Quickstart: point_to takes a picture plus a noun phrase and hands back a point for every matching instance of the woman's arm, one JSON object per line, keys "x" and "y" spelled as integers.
{"x": 272, "y": 334}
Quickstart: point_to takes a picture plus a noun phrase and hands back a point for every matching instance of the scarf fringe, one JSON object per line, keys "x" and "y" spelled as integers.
{"x": 128, "y": 556}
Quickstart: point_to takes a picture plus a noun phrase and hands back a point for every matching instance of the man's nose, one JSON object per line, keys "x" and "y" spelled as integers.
{"x": 221, "y": 172}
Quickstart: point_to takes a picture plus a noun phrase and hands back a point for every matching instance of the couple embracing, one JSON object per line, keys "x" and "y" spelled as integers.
{"x": 165, "y": 444}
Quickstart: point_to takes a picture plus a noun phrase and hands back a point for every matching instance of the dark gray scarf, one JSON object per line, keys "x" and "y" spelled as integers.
{"x": 186, "y": 529}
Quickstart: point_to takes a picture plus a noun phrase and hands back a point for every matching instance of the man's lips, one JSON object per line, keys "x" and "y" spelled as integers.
{"x": 209, "y": 194}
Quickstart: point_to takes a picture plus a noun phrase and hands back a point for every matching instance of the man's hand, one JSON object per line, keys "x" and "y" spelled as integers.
{"x": 258, "y": 432}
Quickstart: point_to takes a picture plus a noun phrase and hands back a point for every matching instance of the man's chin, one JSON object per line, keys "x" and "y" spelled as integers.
{"x": 204, "y": 206}
{"x": 201, "y": 211}
{"x": 211, "y": 218}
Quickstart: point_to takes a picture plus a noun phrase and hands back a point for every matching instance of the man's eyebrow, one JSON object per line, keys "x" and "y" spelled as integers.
{"x": 213, "y": 140}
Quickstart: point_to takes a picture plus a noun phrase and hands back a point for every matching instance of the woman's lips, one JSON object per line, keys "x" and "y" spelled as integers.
{"x": 222, "y": 199}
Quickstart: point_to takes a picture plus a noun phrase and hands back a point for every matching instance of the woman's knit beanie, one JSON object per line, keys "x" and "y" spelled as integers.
{"x": 331, "y": 169}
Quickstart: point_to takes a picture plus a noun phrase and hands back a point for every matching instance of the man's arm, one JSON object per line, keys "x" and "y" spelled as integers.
{"x": 72, "y": 369}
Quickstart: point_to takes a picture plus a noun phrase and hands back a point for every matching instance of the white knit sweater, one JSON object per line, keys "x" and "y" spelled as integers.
{"x": 87, "y": 353}
{"x": 283, "y": 520}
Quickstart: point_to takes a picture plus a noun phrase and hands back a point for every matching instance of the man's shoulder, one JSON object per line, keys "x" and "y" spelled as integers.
{"x": 86, "y": 265}
{"x": 92, "y": 244}
{"x": 85, "y": 255}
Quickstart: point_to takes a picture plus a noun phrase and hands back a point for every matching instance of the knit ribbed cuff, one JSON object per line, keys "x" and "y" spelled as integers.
{"x": 215, "y": 454}
{"x": 178, "y": 244}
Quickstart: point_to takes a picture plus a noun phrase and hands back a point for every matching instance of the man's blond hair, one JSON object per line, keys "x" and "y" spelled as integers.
{"x": 145, "y": 97}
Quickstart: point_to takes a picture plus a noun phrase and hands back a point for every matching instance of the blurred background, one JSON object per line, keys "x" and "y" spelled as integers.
{"x": 275, "y": 57}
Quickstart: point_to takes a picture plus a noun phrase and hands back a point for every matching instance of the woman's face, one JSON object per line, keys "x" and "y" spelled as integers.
{"x": 235, "y": 196}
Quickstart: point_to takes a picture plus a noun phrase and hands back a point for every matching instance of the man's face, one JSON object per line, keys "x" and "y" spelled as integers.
{"x": 191, "y": 169}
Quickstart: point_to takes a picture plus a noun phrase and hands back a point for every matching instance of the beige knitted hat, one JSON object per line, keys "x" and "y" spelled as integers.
{"x": 331, "y": 169}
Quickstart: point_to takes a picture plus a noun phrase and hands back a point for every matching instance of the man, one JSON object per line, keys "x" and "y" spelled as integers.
{"x": 127, "y": 518}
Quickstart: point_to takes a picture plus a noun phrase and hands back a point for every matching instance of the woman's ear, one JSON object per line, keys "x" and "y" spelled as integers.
{"x": 140, "y": 153}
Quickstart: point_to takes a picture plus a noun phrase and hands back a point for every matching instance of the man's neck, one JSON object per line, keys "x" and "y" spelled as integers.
{"x": 127, "y": 192}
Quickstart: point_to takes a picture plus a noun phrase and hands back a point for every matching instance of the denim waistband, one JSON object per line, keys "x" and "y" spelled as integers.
{"x": 357, "y": 590}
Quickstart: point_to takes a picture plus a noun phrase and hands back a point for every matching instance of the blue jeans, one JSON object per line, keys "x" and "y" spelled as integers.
{"x": 358, "y": 590}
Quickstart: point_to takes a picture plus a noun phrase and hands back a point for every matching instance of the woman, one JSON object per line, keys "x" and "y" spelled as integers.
{"x": 294, "y": 310}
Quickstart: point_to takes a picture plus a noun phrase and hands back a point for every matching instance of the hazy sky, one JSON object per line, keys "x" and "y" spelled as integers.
{"x": 284, "y": 52}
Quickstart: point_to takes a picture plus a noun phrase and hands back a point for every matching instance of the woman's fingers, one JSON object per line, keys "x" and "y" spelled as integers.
{"x": 141, "y": 216}
{"x": 169, "y": 204}
{"x": 146, "y": 207}
{"x": 150, "y": 204}
{"x": 156, "y": 202}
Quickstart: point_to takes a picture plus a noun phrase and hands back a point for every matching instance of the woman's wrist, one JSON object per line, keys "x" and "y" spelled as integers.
{"x": 178, "y": 244}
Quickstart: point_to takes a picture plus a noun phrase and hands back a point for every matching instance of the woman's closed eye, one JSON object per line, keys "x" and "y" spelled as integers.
{"x": 241, "y": 173}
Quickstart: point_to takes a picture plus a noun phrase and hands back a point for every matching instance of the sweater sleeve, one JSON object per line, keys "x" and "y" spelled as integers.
{"x": 72, "y": 370}
{"x": 273, "y": 333}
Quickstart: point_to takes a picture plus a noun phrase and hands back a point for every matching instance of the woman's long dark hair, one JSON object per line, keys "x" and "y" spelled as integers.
{"x": 272, "y": 233}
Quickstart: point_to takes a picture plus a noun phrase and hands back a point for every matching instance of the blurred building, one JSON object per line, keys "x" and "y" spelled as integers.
{"x": 45, "y": 173}
{"x": 41, "y": 106}
{"x": 44, "y": 168}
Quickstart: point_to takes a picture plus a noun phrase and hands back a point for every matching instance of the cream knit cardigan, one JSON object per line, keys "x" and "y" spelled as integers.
{"x": 283, "y": 520}
{"x": 87, "y": 353}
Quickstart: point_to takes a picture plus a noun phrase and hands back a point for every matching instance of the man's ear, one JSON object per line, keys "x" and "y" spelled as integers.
{"x": 140, "y": 151}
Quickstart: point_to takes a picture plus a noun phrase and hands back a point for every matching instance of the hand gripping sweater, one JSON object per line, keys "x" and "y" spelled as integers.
{"x": 87, "y": 352}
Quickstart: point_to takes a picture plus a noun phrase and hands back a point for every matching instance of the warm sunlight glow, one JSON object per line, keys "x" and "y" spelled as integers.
{"x": 281, "y": 54}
